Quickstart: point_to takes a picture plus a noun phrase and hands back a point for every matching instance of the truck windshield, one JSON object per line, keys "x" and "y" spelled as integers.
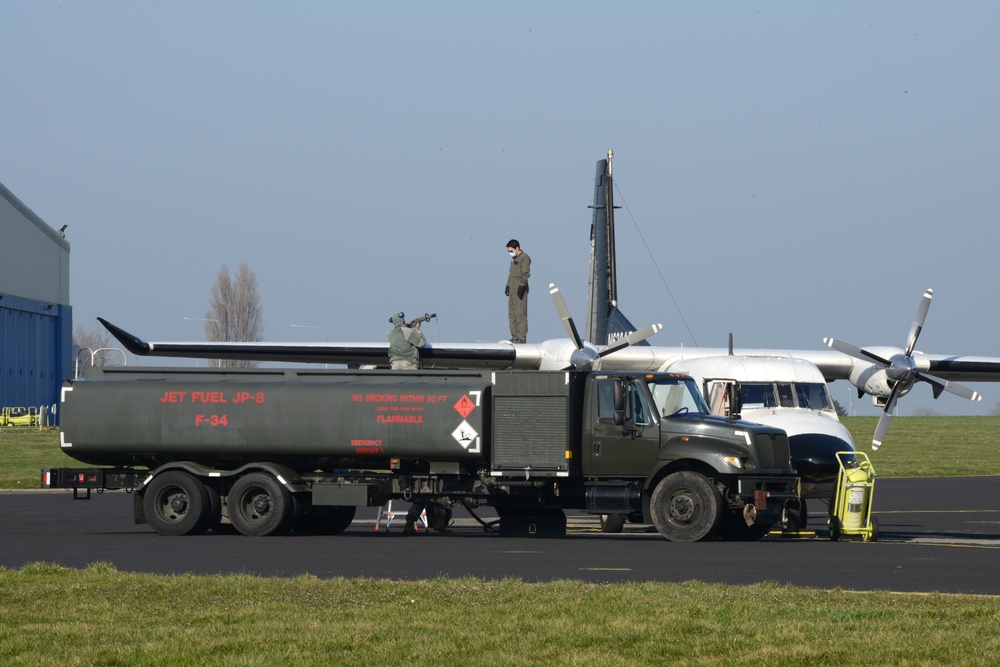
{"x": 676, "y": 398}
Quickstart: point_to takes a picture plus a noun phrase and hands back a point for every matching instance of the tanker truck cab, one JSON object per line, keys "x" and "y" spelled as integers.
{"x": 677, "y": 466}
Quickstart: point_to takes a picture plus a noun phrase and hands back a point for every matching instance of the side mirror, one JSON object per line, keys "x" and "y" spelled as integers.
{"x": 623, "y": 407}
{"x": 619, "y": 400}
{"x": 735, "y": 400}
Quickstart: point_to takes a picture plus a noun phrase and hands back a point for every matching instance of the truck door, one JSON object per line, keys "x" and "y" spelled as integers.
{"x": 612, "y": 451}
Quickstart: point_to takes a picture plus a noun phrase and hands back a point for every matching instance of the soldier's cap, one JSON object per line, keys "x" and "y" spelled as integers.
{"x": 398, "y": 318}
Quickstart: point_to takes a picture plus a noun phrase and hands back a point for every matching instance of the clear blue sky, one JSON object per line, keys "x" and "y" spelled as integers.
{"x": 798, "y": 170}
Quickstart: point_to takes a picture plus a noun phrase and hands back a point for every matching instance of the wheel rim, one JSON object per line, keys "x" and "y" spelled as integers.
{"x": 683, "y": 507}
{"x": 172, "y": 504}
{"x": 255, "y": 505}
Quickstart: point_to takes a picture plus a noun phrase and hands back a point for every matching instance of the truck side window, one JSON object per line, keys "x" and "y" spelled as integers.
{"x": 605, "y": 399}
{"x": 640, "y": 409}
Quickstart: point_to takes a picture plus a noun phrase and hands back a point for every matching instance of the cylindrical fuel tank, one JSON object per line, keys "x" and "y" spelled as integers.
{"x": 309, "y": 419}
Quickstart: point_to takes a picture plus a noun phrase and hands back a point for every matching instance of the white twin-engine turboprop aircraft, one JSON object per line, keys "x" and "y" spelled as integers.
{"x": 783, "y": 388}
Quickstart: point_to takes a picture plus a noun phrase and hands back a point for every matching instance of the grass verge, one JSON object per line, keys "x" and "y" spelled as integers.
{"x": 100, "y": 616}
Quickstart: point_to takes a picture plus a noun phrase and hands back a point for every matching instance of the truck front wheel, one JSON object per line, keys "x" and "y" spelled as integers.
{"x": 259, "y": 505}
{"x": 685, "y": 507}
{"x": 176, "y": 503}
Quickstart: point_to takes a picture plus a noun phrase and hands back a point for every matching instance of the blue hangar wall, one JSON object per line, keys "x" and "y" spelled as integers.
{"x": 36, "y": 323}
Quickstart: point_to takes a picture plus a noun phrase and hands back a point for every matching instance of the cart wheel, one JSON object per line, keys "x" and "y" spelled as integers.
{"x": 834, "y": 529}
{"x": 874, "y": 527}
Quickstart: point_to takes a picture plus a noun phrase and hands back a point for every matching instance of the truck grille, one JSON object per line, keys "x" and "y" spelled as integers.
{"x": 773, "y": 450}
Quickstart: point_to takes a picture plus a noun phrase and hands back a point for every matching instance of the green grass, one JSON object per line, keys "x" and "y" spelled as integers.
{"x": 53, "y": 616}
{"x": 24, "y": 451}
{"x": 931, "y": 446}
{"x": 914, "y": 447}
{"x": 50, "y": 615}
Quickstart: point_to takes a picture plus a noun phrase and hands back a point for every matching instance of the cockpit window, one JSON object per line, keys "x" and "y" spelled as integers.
{"x": 758, "y": 395}
{"x": 785, "y": 396}
{"x": 813, "y": 395}
{"x": 808, "y": 395}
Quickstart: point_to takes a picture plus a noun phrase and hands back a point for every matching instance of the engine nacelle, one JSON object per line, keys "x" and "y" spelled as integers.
{"x": 874, "y": 381}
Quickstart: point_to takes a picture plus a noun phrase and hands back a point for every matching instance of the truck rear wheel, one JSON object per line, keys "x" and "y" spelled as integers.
{"x": 259, "y": 505}
{"x": 685, "y": 507}
{"x": 176, "y": 503}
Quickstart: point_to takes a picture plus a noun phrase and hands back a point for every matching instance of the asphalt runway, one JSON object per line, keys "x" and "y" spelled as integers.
{"x": 936, "y": 535}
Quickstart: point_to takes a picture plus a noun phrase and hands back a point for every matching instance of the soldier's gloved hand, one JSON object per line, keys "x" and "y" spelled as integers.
{"x": 506, "y": 290}
{"x": 520, "y": 291}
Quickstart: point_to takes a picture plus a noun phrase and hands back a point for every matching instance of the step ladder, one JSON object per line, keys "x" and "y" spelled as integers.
{"x": 388, "y": 514}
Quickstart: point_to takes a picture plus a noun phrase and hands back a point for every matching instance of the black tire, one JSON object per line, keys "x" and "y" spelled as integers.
{"x": 323, "y": 520}
{"x": 798, "y": 517}
{"x": 734, "y": 528}
{"x": 834, "y": 529}
{"x": 874, "y": 535}
{"x": 177, "y": 503}
{"x": 686, "y": 507}
{"x": 259, "y": 506}
{"x": 612, "y": 523}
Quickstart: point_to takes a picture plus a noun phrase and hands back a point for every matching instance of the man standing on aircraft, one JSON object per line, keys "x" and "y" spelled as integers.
{"x": 404, "y": 344}
{"x": 517, "y": 291}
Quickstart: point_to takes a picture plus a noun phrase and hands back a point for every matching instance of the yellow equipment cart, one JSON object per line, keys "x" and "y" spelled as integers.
{"x": 851, "y": 513}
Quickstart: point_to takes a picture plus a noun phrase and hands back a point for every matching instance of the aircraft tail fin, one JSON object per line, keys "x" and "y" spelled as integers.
{"x": 618, "y": 327}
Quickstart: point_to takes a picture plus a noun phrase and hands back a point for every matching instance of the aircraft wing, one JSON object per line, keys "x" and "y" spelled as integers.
{"x": 485, "y": 356}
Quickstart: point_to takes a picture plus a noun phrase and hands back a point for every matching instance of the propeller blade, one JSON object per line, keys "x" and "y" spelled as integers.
{"x": 884, "y": 419}
{"x": 631, "y": 339}
{"x": 883, "y": 426}
{"x": 951, "y": 387}
{"x": 855, "y": 351}
{"x": 918, "y": 321}
{"x": 564, "y": 313}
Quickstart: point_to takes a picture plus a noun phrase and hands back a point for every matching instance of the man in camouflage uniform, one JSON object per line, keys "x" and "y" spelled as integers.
{"x": 404, "y": 344}
{"x": 517, "y": 292}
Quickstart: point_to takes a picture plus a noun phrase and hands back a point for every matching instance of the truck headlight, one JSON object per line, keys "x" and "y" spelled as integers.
{"x": 734, "y": 461}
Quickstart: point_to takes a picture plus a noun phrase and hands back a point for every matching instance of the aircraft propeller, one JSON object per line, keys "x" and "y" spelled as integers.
{"x": 587, "y": 355}
{"x": 901, "y": 370}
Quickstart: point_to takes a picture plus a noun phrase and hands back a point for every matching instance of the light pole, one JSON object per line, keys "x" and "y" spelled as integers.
{"x": 326, "y": 333}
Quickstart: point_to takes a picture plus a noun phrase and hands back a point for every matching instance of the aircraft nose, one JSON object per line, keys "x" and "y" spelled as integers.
{"x": 815, "y": 458}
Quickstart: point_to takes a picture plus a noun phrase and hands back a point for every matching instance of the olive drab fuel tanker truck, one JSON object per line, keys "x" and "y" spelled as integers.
{"x": 268, "y": 451}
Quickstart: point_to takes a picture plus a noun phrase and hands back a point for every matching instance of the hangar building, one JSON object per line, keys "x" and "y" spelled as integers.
{"x": 36, "y": 320}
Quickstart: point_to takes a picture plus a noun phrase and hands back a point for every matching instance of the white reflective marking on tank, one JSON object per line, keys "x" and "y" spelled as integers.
{"x": 562, "y": 474}
{"x": 215, "y": 474}
{"x": 62, "y": 396}
{"x": 62, "y": 440}
{"x": 147, "y": 480}
{"x": 745, "y": 435}
{"x": 281, "y": 479}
